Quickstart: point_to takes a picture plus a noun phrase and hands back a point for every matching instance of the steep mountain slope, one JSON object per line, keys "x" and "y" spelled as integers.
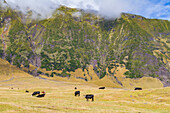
{"x": 73, "y": 40}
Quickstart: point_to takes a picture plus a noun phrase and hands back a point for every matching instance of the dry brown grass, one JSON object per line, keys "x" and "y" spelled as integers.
{"x": 84, "y": 74}
{"x": 60, "y": 98}
{"x": 8, "y": 71}
{"x": 145, "y": 83}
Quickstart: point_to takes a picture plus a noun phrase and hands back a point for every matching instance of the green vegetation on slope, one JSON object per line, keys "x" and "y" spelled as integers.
{"x": 73, "y": 39}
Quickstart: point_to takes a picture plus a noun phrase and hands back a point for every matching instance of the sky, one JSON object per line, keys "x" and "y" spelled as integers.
{"x": 159, "y": 9}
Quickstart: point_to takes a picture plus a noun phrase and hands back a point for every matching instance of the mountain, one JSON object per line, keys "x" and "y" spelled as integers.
{"x": 73, "y": 40}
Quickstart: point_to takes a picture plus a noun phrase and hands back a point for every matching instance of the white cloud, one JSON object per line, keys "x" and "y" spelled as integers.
{"x": 43, "y": 7}
{"x": 107, "y": 8}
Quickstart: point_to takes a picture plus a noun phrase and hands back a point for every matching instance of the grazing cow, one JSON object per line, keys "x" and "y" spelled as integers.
{"x": 101, "y": 87}
{"x": 77, "y": 93}
{"x": 89, "y": 96}
{"x": 138, "y": 88}
{"x": 36, "y": 93}
{"x": 26, "y": 91}
{"x": 41, "y": 95}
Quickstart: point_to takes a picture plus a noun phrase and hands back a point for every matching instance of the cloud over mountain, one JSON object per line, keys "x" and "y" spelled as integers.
{"x": 107, "y": 8}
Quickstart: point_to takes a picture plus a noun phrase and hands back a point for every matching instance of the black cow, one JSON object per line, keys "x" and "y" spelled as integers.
{"x": 138, "y": 88}
{"x": 35, "y": 93}
{"x": 41, "y": 95}
{"x": 89, "y": 96}
{"x": 26, "y": 91}
{"x": 77, "y": 93}
{"x": 101, "y": 87}
{"x": 75, "y": 88}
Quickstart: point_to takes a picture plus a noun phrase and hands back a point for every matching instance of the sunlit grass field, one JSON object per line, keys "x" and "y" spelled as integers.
{"x": 60, "y": 98}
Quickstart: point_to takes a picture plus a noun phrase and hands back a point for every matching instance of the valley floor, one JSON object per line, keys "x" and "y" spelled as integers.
{"x": 60, "y": 98}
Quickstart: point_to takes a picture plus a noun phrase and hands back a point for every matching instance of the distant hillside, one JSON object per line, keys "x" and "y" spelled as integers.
{"x": 73, "y": 40}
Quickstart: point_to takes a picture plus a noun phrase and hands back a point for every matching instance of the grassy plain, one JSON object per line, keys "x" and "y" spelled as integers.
{"x": 60, "y": 98}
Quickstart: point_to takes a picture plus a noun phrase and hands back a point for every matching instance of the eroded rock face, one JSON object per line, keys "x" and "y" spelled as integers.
{"x": 164, "y": 76}
{"x": 5, "y": 29}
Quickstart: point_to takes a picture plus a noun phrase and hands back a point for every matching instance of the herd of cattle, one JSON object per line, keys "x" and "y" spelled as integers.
{"x": 91, "y": 96}
{"x": 76, "y": 93}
